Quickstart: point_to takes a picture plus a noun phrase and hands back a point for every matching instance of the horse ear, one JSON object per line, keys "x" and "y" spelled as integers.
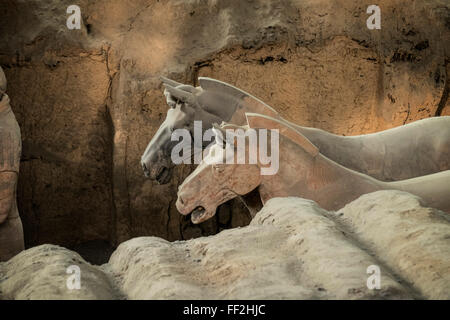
{"x": 170, "y": 82}
{"x": 245, "y": 99}
{"x": 222, "y": 136}
{"x": 182, "y": 86}
{"x": 259, "y": 121}
{"x": 219, "y": 134}
{"x": 182, "y": 93}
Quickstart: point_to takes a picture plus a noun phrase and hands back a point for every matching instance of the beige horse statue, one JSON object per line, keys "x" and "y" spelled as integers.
{"x": 303, "y": 172}
{"x": 412, "y": 150}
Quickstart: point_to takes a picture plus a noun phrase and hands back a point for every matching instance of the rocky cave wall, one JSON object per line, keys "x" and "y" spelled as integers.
{"x": 88, "y": 101}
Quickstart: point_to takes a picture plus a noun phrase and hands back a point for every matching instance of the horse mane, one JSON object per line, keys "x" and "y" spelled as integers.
{"x": 260, "y": 121}
{"x": 227, "y": 125}
{"x": 243, "y": 97}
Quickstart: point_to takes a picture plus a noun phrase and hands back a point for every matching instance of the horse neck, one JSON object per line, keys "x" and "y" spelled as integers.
{"x": 304, "y": 175}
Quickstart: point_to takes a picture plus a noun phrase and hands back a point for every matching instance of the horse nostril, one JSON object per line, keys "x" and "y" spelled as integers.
{"x": 181, "y": 200}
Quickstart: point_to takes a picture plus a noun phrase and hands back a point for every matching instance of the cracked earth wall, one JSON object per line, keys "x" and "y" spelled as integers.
{"x": 88, "y": 101}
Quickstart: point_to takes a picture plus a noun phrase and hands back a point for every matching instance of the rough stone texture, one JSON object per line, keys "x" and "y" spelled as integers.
{"x": 415, "y": 240}
{"x": 71, "y": 179}
{"x": 88, "y": 101}
{"x": 291, "y": 250}
{"x": 40, "y": 273}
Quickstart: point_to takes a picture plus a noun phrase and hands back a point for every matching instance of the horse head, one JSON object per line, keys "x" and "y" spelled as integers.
{"x": 213, "y": 102}
{"x": 225, "y": 173}
{"x": 185, "y": 108}
{"x": 217, "y": 179}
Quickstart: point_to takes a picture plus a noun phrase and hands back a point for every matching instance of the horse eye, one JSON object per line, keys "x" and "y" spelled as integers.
{"x": 218, "y": 168}
{"x": 172, "y": 104}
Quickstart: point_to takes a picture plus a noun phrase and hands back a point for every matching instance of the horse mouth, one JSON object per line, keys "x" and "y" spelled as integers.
{"x": 163, "y": 176}
{"x": 198, "y": 214}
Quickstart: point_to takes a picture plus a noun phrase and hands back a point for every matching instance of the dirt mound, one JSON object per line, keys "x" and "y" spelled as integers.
{"x": 291, "y": 250}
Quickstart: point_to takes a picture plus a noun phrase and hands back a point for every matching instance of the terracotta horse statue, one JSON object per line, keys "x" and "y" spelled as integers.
{"x": 412, "y": 150}
{"x": 303, "y": 172}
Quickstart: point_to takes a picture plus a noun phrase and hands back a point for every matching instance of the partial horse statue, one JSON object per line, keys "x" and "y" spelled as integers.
{"x": 11, "y": 232}
{"x": 412, "y": 150}
{"x": 303, "y": 172}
